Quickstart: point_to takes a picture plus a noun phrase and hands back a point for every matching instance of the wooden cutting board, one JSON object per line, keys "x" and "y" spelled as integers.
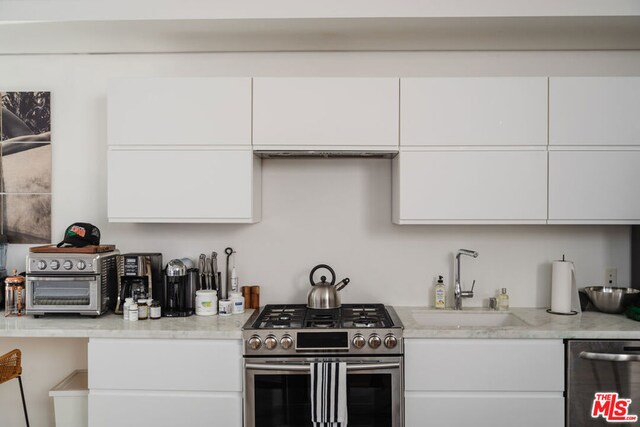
{"x": 90, "y": 249}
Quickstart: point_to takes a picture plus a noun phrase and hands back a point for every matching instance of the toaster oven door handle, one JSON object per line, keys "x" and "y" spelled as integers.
{"x": 61, "y": 278}
{"x": 609, "y": 357}
{"x": 307, "y": 367}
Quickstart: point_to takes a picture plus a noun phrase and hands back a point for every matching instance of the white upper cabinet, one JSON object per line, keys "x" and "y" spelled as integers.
{"x": 470, "y": 187}
{"x": 325, "y": 113}
{"x": 183, "y": 184}
{"x": 180, "y": 111}
{"x": 594, "y": 111}
{"x": 473, "y": 111}
{"x": 594, "y": 187}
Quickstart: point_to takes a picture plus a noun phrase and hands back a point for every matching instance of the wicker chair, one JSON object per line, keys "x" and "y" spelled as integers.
{"x": 11, "y": 368}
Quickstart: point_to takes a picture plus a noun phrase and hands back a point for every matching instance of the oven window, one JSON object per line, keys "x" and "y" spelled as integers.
{"x": 284, "y": 400}
{"x": 61, "y": 293}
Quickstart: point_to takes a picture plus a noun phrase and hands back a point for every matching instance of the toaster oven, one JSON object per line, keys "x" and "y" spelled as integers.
{"x": 71, "y": 283}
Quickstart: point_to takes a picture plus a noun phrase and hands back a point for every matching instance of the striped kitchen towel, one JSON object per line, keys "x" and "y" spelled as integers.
{"x": 329, "y": 394}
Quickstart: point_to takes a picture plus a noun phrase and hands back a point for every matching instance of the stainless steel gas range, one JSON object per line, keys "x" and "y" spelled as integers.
{"x": 281, "y": 341}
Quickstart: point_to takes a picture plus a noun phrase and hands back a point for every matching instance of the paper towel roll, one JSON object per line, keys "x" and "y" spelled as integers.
{"x": 563, "y": 287}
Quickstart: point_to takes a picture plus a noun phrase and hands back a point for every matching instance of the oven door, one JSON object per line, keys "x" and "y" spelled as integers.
{"x": 63, "y": 294}
{"x": 277, "y": 391}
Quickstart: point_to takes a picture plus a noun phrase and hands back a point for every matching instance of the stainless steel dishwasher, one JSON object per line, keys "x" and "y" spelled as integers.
{"x": 603, "y": 383}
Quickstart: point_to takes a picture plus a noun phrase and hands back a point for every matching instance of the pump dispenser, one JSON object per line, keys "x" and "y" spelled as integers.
{"x": 441, "y": 292}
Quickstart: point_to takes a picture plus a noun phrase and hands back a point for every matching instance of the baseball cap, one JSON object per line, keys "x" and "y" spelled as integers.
{"x": 80, "y": 234}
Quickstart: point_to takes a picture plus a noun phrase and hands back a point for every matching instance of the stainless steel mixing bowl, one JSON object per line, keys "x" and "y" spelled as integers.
{"x": 610, "y": 299}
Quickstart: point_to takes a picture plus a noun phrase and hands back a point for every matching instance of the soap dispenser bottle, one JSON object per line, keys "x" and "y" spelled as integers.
{"x": 441, "y": 292}
{"x": 503, "y": 300}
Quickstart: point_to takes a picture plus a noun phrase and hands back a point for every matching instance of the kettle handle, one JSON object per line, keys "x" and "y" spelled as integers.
{"x": 318, "y": 267}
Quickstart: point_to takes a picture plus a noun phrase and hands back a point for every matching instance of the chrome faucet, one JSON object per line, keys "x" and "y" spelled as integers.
{"x": 458, "y": 293}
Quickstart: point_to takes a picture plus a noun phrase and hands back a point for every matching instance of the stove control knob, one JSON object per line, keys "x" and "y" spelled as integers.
{"x": 68, "y": 265}
{"x": 42, "y": 264}
{"x": 270, "y": 342}
{"x": 81, "y": 265}
{"x": 374, "y": 341}
{"x": 286, "y": 342}
{"x": 254, "y": 342}
{"x": 390, "y": 341}
{"x": 55, "y": 264}
{"x": 358, "y": 341}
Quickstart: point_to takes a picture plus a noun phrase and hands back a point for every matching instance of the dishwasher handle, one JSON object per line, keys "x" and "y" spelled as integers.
{"x": 609, "y": 357}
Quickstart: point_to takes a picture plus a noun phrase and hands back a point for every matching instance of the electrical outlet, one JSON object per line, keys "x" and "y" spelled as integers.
{"x": 611, "y": 277}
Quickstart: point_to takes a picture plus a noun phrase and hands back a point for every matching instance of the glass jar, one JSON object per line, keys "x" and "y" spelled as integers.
{"x": 143, "y": 309}
{"x": 154, "y": 310}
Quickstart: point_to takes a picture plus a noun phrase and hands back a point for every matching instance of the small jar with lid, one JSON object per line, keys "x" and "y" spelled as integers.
{"x": 237, "y": 302}
{"x": 133, "y": 312}
{"x": 154, "y": 309}
{"x": 143, "y": 309}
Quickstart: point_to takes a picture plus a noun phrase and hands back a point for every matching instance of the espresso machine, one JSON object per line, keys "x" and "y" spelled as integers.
{"x": 179, "y": 290}
{"x": 139, "y": 277}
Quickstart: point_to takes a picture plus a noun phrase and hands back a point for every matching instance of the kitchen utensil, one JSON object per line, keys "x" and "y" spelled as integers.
{"x": 202, "y": 263}
{"x": 214, "y": 271}
{"x": 610, "y": 299}
{"x": 224, "y": 288}
{"x": 89, "y": 249}
{"x": 324, "y": 295}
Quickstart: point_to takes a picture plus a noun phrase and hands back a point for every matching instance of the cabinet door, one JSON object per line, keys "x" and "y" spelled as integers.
{"x": 484, "y": 409}
{"x": 191, "y": 365}
{"x": 594, "y": 187}
{"x": 179, "y": 111}
{"x": 473, "y": 187}
{"x": 473, "y": 111}
{"x": 594, "y": 111}
{"x": 183, "y": 185}
{"x": 336, "y": 113}
{"x": 484, "y": 365}
{"x": 164, "y": 409}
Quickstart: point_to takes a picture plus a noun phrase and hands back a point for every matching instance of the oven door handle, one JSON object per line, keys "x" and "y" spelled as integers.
{"x": 61, "y": 278}
{"x": 307, "y": 367}
{"x": 609, "y": 357}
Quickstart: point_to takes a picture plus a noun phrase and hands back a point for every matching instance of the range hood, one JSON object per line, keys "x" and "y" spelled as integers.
{"x": 327, "y": 154}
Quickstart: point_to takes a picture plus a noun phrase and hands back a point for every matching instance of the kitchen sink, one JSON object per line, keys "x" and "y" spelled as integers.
{"x": 465, "y": 319}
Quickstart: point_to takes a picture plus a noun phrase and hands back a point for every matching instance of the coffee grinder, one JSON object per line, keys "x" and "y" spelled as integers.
{"x": 139, "y": 277}
{"x": 179, "y": 289}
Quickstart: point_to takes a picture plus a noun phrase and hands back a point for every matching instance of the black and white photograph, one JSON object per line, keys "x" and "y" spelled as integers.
{"x": 26, "y": 218}
{"x": 26, "y": 116}
{"x": 25, "y": 166}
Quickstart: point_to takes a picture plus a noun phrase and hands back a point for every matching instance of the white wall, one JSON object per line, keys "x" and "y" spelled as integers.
{"x": 332, "y": 211}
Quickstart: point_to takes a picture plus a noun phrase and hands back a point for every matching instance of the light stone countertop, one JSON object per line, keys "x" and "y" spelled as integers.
{"x": 536, "y": 323}
{"x": 113, "y": 326}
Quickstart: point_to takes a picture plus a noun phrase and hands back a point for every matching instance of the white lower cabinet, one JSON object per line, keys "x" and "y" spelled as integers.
{"x": 165, "y": 382}
{"x": 484, "y": 382}
{"x": 167, "y": 409}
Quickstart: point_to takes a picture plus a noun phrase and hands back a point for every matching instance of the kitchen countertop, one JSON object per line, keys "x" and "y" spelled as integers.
{"x": 537, "y": 324}
{"x": 112, "y": 326}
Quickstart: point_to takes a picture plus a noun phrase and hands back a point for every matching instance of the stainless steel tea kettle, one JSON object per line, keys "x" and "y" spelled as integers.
{"x": 325, "y": 294}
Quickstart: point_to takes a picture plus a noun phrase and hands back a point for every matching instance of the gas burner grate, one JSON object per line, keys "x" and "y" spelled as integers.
{"x": 365, "y": 316}
{"x": 315, "y": 318}
{"x": 281, "y": 316}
